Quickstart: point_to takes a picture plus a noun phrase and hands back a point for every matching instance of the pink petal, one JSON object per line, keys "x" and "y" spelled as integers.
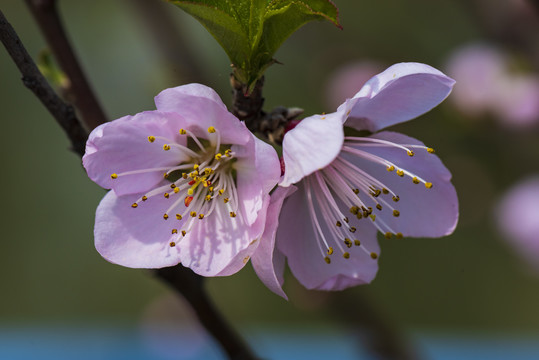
{"x": 297, "y": 241}
{"x": 268, "y": 262}
{"x": 202, "y": 108}
{"x": 400, "y": 93}
{"x": 220, "y": 245}
{"x": 313, "y": 144}
{"x": 122, "y": 145}
{"x": 423, "y": 212}
{"x": 136, "y": 238}
{"x": 258, "y": 171}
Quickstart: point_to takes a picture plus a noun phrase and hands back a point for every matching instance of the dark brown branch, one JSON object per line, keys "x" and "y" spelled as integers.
{"x": 78, "y": 89}
{"x": 34, "y": 80}
{"x": 190, "y": 286}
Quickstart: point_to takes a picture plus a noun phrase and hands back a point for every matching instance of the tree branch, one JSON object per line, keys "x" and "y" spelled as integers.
{"x": 34, "y": 80}
{"x": 179, "y": 278}
{"x": 78, "y": 89}
{"x": 190, "y": 285}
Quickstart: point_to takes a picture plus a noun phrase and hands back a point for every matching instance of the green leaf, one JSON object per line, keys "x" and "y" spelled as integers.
{"x": 251, "y": 31}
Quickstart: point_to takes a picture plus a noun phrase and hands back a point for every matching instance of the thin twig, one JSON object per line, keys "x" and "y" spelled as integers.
{"x": 190, "y": 285}
{"x": 80, "y": 93}
{"x": 179, "y": 278}
{"x": 34, "y": 80}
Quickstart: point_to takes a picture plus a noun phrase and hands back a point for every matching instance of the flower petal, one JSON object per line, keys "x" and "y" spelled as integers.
{"x": 216, "y": 246}
{"x": 422, "y": 212}
{"x": 400, "y": 93}
{"x": 312, "y": 145}
{"x": 202, "y": 108}
{"x": 297, "y": 240}
{"x": 258, "y": 171}
{"x": 122, "y": 145}
{"x": 136, "y": 238}
{"x": 268, "y": 262}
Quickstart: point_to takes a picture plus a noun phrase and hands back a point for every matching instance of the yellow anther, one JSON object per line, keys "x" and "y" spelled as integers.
{"x": 354, "y": 210}
{"x": 232, "y": 214}
{"x": 396, "y": 213}
{"x": 385, "y": 191}
{"x": 374, "y": 256}
{"x": 144, "y": 198}
{"x": 172, "y": 186}
{"x": 352, "y": 229}
{"x": 218, "y": 156}
{"x": 348, "y": 242}
{"x": 375, "y": 192}
{"x": 184, "y": 232}
{"x": 193, "y": 213}
{"x": 151, "y": 138}
{"x": 399, "y": 235}
{"x": 134, "y": 205}
{"x": 221, "y": 191}
{"x": 410, "y": 153}
{"x": 415, "y": 180}
{"x": 346, "y": 255}
{"x": 225, "y": 200}
{"x": 166, "y": 147}
{"x": 390, "y": 168}
{"x": 430, "y": 150}
{"x": 178, "y": 216}
{"x": 338, "y": 224}
{"x": 373, "y": 217}
{"x": 228, "y": 153}
{"x": 208, "y": 197}
{"x": 172, "y": 244}
{"x": 330, "y": 250}
{"x": 356, "y": 191}
{"x": 184, "y": 175}
{"x": 357, "y": 242}
{"x": 327, "y": 260}
{"x": 211, "y": 129}
{"x": 388, "y": 235}
{"x": 428, "y": 185}
{"x": 174, "y": 231}
{"x": 196, "y": 166}
{"x": 165, "y": 175}
{"x": 379, "y": 207}
{"x": 346, "y": 220}
{"x": 396, "y": 198}
{"x": 190, "y": 191}
{"x": 114, "y": 176}
{"x": 166, "y": 195}
{"x": 208, "y": 171}
{"x": 400, "y": 173}
{"x": 359, "y": 215}
{"x": 182, "y": 132}
{"x": 210, "y": 189}
{"x": 201, "y": 216}
{"x": 176, "y": 190}
{"x": 165, "y": 216}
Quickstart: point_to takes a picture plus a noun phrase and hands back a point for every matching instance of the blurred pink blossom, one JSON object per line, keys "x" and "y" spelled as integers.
{"x": 518, "y": 218}
{"x": 486, "y": 84}
{"x": 344, "y": 82}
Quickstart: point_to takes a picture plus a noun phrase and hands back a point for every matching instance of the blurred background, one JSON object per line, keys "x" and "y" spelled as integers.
{"x": 455, "y": 297}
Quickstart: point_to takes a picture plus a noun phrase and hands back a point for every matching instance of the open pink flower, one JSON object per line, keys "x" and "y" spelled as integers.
{"x": 189, "y": 184}
{"x": 349, "y": 187}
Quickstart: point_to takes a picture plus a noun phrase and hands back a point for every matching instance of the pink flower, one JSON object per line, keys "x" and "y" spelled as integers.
{"x": 189, "y": 184}
{"x": 487, "y": 84}
{"x": 349, "y": 187}
{"x": 518, "y": 218}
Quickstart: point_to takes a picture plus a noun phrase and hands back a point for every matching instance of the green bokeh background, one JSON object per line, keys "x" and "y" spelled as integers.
{"x": 51, "y": 274}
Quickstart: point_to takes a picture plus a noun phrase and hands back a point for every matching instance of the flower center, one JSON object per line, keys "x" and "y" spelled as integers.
{"x": 196, "y": 185}
{"x": 342, "y": 194}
